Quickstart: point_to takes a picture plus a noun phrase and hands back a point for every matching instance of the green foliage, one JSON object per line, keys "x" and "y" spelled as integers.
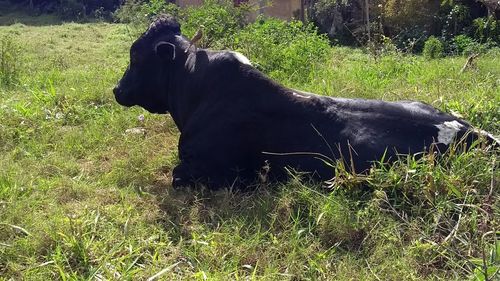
{"x": 282, "y": 49}
{"x": 433, "y": 48}
{"x": 455, "y": 19}
{"x": 465, "y": 45}
{"x": 411, "y": 40}
{"x": 488, "y": 268}
{"x": 487, "y": 29}
{"x": 10, "y": 58}
{"x": 408, "y": 23}
{"x": 138, "y": 12}
{"x": 221, "y": 21}
{"x": 460, "y": 20}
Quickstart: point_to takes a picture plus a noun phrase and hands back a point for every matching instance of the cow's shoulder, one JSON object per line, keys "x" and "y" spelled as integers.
{"x": 229, "y": 58}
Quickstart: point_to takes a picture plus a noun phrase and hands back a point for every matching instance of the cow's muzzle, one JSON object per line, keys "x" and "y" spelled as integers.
{"x": 122, "y": 98}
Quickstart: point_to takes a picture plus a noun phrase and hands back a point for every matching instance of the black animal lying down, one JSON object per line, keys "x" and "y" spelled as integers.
{"x": 234, "y": 120}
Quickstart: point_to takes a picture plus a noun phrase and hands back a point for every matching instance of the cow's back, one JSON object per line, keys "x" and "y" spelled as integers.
{"x": 309, "y": 130}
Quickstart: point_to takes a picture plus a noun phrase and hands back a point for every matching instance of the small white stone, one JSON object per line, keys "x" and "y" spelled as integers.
{"x": 136, "y": 131}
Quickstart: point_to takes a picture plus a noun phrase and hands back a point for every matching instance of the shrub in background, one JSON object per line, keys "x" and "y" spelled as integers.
{"x": 411, "y": 40}
{"x": 137, "y": 12}
{"x": 284, "y": 50}
{"x": 461, "y": 43}
{"x": 465, "y": 45}
{"x": 433, "y": 48}
{"x": 455, "y": 19}
{"x": 221, "y": 20}
{"x": 487, "y": 30}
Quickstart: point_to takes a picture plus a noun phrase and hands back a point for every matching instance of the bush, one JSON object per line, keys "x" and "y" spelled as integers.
{"x": 221, "y": 20}
{"x": 433, "y": 48}
{"x": 285, "y": 50}
{"x": 487, "y": 30}
{"x": 460, "y": 43}
{"x": 464, "y": 45}
{"x": 137, "y": 12}
{"x": 9, "y": 62}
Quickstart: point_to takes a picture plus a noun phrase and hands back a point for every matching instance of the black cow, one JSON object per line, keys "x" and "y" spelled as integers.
{"x": 234, "y": 120}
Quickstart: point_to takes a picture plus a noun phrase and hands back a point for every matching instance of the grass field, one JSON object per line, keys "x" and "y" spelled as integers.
{"x": 81, "y": 199}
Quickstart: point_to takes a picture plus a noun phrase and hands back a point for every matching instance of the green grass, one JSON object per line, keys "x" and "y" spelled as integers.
{"x": 81, "y": 199}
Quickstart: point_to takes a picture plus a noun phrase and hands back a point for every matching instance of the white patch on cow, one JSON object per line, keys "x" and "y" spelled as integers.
{"x": 241, "y": 58}
{"x": 447, "y": 131}
{"x": 301, "y": 96}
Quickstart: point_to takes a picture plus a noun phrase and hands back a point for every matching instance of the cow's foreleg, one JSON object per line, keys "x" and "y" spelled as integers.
{"x": 190, "y": 171}
{"x": 181, "y": 178}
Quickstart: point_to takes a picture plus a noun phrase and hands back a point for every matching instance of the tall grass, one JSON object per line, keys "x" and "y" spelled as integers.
{"x": 10, "y": 58}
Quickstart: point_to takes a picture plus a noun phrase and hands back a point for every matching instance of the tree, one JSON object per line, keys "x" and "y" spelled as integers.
{"x": 493, "y": 6}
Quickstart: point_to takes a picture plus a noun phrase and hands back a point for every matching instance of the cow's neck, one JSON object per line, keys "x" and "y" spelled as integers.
{"x": 185, "y": 93}
{"x": 194, "y": 83}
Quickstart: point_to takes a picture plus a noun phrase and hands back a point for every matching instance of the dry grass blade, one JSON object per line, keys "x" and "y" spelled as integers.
{"x": 163, "y": 271}
{"x": 17, "y": 229}
{"x": 469, "y": 63}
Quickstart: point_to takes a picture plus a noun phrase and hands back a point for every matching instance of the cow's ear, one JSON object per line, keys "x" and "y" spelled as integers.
{"x": 165, "y": 50}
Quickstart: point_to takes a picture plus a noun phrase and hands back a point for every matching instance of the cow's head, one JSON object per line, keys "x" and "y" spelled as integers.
{"x": 152, "y": 58}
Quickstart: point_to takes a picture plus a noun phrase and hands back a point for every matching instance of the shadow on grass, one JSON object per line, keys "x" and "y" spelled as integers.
{"x": 7, "y": 19}
{"x": 187, "y": 210}
{"x": 15, "y": 14}
{"x": 280, "y": 210}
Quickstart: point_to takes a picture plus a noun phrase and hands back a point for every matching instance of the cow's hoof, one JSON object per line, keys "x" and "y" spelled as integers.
{"x": 178, "y": 183}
